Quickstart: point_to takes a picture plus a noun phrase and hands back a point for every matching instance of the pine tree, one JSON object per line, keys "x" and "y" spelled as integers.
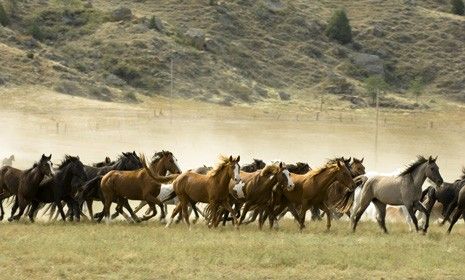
{"x": 339, "y": 27}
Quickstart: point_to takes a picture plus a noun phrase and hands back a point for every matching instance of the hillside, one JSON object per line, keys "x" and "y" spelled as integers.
{"x": 231, "y": 52}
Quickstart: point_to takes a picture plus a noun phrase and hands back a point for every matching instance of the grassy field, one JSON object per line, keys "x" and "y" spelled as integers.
{"x": 149, "y": 251}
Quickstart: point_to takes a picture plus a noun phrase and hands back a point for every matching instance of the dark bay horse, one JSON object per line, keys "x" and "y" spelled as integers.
{"x": 9, "y": 182}
{"x": 29, "y": 182}
{"x": 460, "y": 209}
{"x": 298, "y": 167}
{"x": 212, "y": 188}
{"x": 59, "y": 188}
{"x": 403, "y": 189}
{"x": 141, "y": 184}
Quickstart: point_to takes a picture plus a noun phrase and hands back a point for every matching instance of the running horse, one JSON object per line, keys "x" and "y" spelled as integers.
{"x": 212, "y": 188}
{"x": 29, "y": 182}
{"x": 257, "y": 190}
{"x": 141, "y": 184}
{"x": 402, "y": 189}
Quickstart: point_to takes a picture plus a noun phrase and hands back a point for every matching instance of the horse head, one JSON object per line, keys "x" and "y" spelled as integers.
{"x": 432, "y": 171}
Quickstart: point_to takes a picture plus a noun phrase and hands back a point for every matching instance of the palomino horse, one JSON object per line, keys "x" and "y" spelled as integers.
{"x": 403, "y": 189}
{"x": 212, "y": 188}
{"x": 29, "y": 184}
{"x": 257, "y": 190}
{"x": 141, "y": 184}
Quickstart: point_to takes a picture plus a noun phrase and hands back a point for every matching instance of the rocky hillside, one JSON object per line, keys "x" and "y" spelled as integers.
{"x": 230, "y": 52}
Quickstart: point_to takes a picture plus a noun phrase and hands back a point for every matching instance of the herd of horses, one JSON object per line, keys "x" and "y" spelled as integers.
{"x": 232, "y": 193}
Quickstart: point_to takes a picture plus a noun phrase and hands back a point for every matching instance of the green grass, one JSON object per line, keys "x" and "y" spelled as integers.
{"x": 119, "y": 250}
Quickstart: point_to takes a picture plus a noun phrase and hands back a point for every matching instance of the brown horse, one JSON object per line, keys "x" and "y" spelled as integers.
{"x": 257, "y": 190}
{"x": 141, "y": 184}
{"x": 212, "y": 188}
{"x": 9, "y": 182}
{"x": 29, "y": 182}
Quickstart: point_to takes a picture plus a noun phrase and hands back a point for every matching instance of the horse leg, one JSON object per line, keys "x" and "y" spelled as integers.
{"x": 411, "y": 212}
{"x": 131, "y": 212}
{"x": 303, "y": 212}
{"x": 89, "y": 203}
{"x": 459, "y": 212}
{"x": 231, "y": 210}
{"x": 1, "y": 207}
{"x": 244, "y": 212}
{"x": 177, "y": 209}
{"x": 140, "y": 206}
{"x": 418, "y": 206}
{"x": 34, "y": 206}
{"x": 328, "y": 217}
{"x": 381, "y": 215}
{"x": 196, "y": 212}
{"x": 152, "y": 201}
{"x": 449, "y": 211}
{"x": 14, "y": 208}
{"x": 316, "y": 216}
{"x": 360, "y": 208}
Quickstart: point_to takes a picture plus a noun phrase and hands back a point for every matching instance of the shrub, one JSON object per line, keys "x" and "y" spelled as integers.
{"x": 36, "y": 32}
{"x": 3, "y": 16}
{"x": 126, "y": 73}
{"x": 458, "y": 7}
{"x": 416, "y": 87}
{"x": 339, "y": 27}
{"x": 153, "y": 23}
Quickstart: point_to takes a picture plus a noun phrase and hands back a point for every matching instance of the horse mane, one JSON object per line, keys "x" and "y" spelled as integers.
{"x": 463, "y": 173}
{"x": 67, "y": 160}
{"x": 269, "y": 168}
{"x": 223, "y": 161}
{"x": 420, "y": 160}
{"x": 158, "y": 155}
{"x": 317, "y": 171}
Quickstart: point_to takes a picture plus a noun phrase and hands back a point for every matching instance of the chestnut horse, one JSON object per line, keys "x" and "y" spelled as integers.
{"x": 315, "y": 188}
{"x": 257, "y": 190}
{"x": 212, "y": 188}
{"x": 141, "y": 184}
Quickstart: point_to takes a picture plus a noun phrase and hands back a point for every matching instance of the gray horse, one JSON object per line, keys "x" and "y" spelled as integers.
{"x": 8, "y": 161}
{"x": 403, "y": 189}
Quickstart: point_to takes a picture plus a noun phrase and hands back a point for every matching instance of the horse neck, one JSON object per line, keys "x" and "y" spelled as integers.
{"x": 328, "y": 179}
{"x": 419, "y": 175}
{"x": 64, "y": 176}
{"x": 222, "y": 179}
{"x": 160, "y": 168}
{"x": 35, "y": 177}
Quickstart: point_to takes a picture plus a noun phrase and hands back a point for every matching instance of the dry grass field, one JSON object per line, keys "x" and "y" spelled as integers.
{"x": 149, "y": 251}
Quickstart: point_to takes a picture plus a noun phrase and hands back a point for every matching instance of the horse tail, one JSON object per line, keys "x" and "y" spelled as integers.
{"x": 169, "y": 197}
{"x": 360, "y": 180}
{"x": 345, "y": 203}
{"x": 160, "y": 179}
{"x": 90, "y": 187}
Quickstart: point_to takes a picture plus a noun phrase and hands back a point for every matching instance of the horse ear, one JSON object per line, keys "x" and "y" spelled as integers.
{"x": 238, "y": 158}
{"x": 338, "y": 163}
{"x": 281, "y": 165}
{"x": 349, "y": 159}
{"x": 230, "y": 158}
{"x": 435, "y": 158}
{"x": 361, "y": 161}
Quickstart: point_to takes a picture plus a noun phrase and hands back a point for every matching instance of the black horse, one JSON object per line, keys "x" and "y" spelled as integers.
{"x": 106, "y": 162}
{"x": 257, "y": 164}
{"x": 447, "y": 195}
{"x": 90, "y": 191}
{"x": 298, "y": 168}
{"x": 59, "y": 188}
